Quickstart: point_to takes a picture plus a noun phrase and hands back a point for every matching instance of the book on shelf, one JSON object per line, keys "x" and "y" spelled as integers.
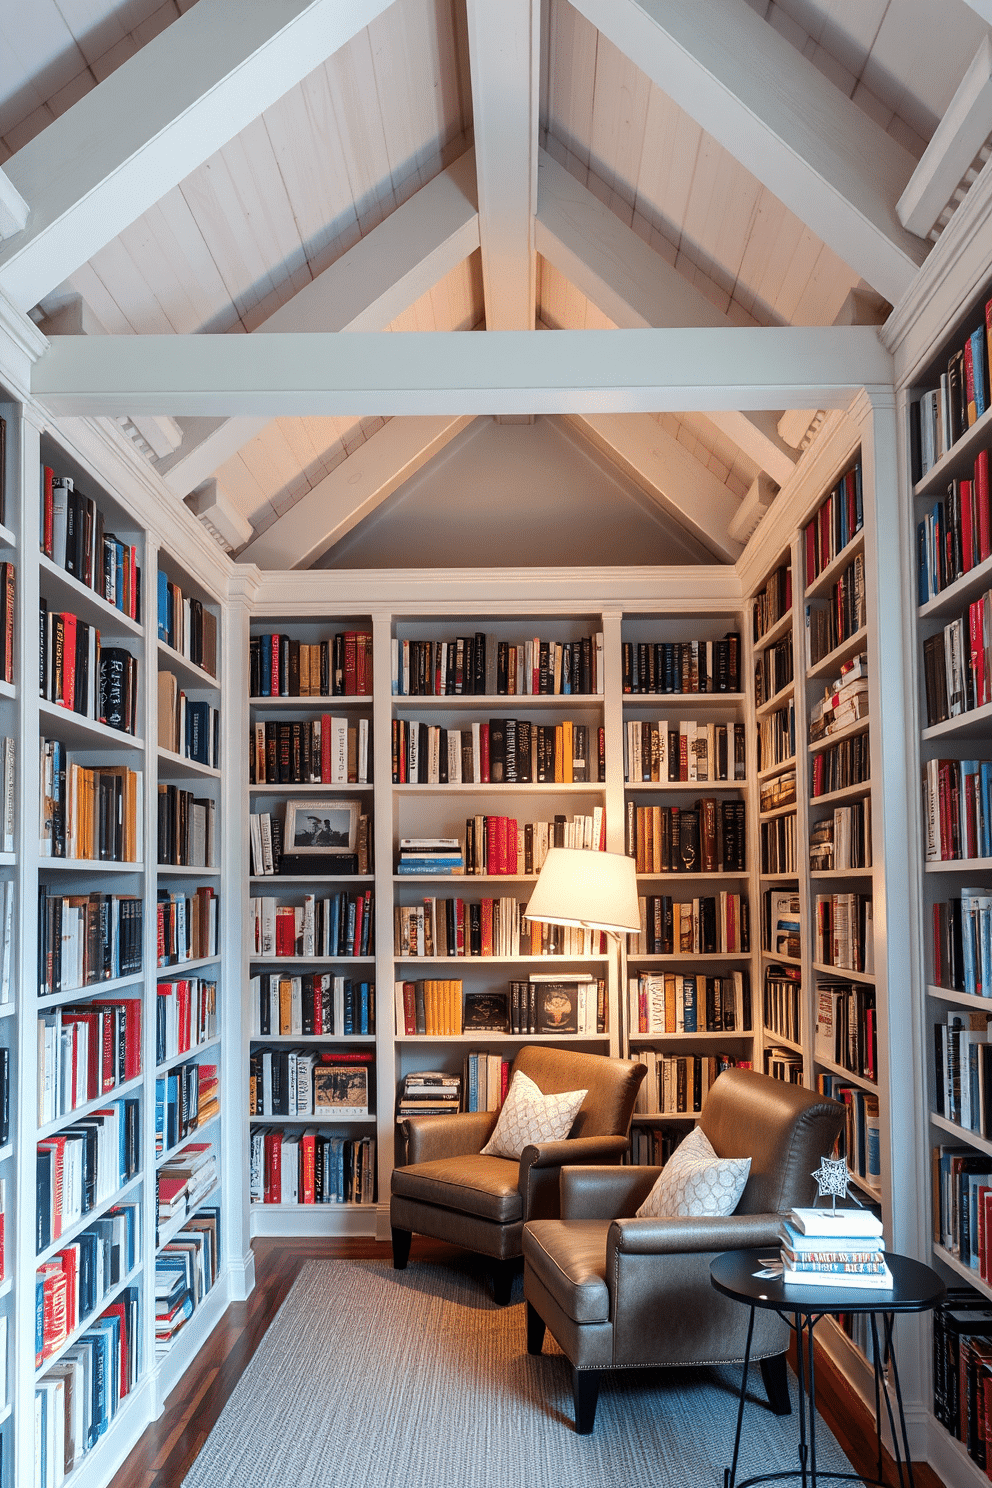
{"x": 187, "y": 828}
{"x": 846, "y": 763}
{"x": 338, "y": 924}
{"x": 185, "y": 1016}
{"x": 486, "y": 1012}
{"x": 84, "y": 939}
{"x": 77, "y": 672}
{"x": 687, "y": 1002}
{"x": 785, "y": 1065}
{"x": 484, "y": 665}
{"x": 185, "y": 1098}
{"x": 487, "y": 1079}
{"x": 772, "y": 602}
{"x": 187, "y": 726}
{"x": 283, "y": 666}
{"x": 709, "y": 925}
{"x": 780, "y": 790}
{"x": 955, "y": 535}
{"x": 313, "y": 1004}
{"x": 834, "y": 620}
{"x": 773, "y": 670}
{"x": 92, "y": 812}
{"x": 839, "y": 707}
{"x": 307, "y": 1082}
{"x": 652, "y": 1146}
{"x": 778, "y": 853}
{"x": 843, "y": 932}
{"x": 430, "y": 1006}
{"x": 677, "y": 1084}
{"x": 963, "y": 1071}
{"x": 707, "y": 837}
{"x": 311, "y": 751}
{"x": 678, "y": 749}
{"x": 185, "y": 1271}
{"x": 957, "y": 809}
{"x": 962, "y": 1206}
{"x": 187, "y": 925}
{"x": 941, "y": 415}
{"x": 186, "y": 625}
{"x": 846, "y": 1026}
{"x": 85, "y": 1051}
{"x": 682, "y": 666}
{"x": 957, "y": 665}
{"x": 962, "y": 942}
{"x": 434, "y": 856}
{"x": 860, "y": 1142}
{"x": 83, "y": 1165}
{"x": 962, "y": 1324}
{"x": 782, "y": 1002}
{"x": 504, "y": 845}
{"x": 838, "y": 518}
{"x": 73, "y": 537}
{"x": 497, "y": 751}
{"x": 430, "y": 1093}
{"x": 777, "y": 736}
{"x": 185, "y": 1180}
{"x": 311, "y": 1167}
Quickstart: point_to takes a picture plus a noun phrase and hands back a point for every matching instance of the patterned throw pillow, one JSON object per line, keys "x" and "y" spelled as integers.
{"x": 529, "y": 1116}
{"x": 695, "y": 1182}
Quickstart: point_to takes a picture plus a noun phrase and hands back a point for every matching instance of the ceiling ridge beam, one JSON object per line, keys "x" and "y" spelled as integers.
{"x": 156, "y": 118}
{"x": 782, "y": 119}
{"x": 462, "y": 372}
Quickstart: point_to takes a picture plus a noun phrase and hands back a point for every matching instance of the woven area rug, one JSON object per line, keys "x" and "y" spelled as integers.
{"x": 374, "y": 1378}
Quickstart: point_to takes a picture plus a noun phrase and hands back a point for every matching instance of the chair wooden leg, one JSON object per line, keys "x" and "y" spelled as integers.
{"x": 401, "y": 1248}
{"x": 775, "y": 1374}
{"x": 535, "y": 1330}
{"x": 503, "y": 1274}
{"x": 585, "y": 1391}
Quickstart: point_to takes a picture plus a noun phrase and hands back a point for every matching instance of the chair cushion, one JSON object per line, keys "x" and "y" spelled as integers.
{"x": 528, "y": 1115}
{"x": 695, "y": 1182}
{"x": 486, "y": 1186}
{"x": 569, "y": 1258}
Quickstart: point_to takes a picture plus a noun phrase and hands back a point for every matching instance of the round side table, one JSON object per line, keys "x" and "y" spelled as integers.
{"x": 915, "y": 1288}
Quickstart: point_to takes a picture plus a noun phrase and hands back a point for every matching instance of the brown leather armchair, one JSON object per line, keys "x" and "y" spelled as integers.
{"x": 624, "y": 1293}
{"x": 450, "y": 1191}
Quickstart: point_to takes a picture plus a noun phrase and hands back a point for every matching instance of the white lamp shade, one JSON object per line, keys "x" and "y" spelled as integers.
{"x": 596, "y": 890}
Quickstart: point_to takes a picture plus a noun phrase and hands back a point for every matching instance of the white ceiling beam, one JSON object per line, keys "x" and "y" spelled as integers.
{"x": 385, "y": 273}
{"x": 635, "y": 287}
{"x": 351, "y": 491}
{"x": 504, "y": 51}
{"x": 982, "y": 8}
{"x": 456, "y": 372}
{"x": 13, "y": 208}
{"x": 766, "y": 103}
{"x": 161, "y": 114}
{"x": 961, "y": 133}
{"x": 669, "y": 474}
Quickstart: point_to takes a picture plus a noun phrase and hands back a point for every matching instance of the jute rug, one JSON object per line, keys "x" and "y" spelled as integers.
{"x": 374, "y": 1378}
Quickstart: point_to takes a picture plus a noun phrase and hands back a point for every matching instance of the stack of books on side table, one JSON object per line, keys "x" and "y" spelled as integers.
{"x": 834, "y": 1248}
{"x": 429, "y": 1093}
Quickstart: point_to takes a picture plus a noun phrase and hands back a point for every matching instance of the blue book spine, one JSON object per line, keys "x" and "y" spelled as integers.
{"x": 39, "y": 1317}
{"x": 689, "y": 1004}
{"x": 266, "y": 659}
{"x": 473, "y": 1082}
{"x": 163, "y": 606}
{"x": 978, "y": 369}
{"x": 365, "y": 1008}
{"x": 349, "y": 1008}
{"x": 922, "y": 565}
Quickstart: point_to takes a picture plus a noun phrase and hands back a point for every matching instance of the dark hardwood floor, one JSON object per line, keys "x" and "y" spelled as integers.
{"x": 166, "y": 1450}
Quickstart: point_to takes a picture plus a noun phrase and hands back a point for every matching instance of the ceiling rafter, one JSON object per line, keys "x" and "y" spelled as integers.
{"x": 161, "y": 114}
{"x": 764, "y": 102}
{"x": 635, "y": 287}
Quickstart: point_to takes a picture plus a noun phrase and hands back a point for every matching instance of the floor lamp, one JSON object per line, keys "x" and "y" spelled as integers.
{"x": 591, "y": 891}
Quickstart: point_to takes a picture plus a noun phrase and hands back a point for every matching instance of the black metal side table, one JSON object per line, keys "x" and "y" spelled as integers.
{"x": 740, "y": 1274}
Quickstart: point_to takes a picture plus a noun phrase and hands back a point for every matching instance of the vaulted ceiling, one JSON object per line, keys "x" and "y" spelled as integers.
{"x": 249, "y": 167}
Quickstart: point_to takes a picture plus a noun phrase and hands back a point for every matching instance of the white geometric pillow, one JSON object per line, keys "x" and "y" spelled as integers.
{"x": 530, "y": 1116}
{"x": 695, "y": 1182}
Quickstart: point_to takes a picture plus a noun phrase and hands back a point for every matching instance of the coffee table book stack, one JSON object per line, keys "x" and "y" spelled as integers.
{"x": 834, "y": 1248}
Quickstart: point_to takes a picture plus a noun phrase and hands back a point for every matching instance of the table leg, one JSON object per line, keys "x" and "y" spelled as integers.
{"x": 887, "y": 1322}
{"x": 730, "y": 1474}
{"x": 798, "y": 1329}
{"x": 812, "y": 1402}
{"x": 877, "y": 1361}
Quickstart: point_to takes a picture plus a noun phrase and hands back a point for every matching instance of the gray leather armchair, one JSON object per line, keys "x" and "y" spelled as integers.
{"x": 450, "y": 1191}
{"x": 624, "y": 1293}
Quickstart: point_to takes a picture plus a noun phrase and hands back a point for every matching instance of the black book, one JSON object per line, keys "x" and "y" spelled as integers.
{"x": 688, "y": 860}
{"x": 497, "y": 750}
{"x": 511, "y": 770}
{"x": 524, "y": 773}
{"x": 115, "y": 691}
{"x": 479, "y": 663}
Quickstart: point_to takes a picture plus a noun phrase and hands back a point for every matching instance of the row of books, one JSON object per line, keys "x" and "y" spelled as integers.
{"x": 773, "y": 670}
{"x": 316, "y": 1004}
{"x": 187, "y": 925}
{"x": 957, "y": 809}
{"x": 309, "y": 751}
{"x": 502, "y": 751}
{"x": 846, "y": 763}
{"x": 944, "y": 414}
{"x": 843, "y": 839}
{"x": 187, "y": 828}
{"x": 846, "y": 1026}
{"x": 860, "y": 1141}
{"x": 652, "y": 1146}
{"x": 71, "y": 1288}
{"x": 84, "y": 1165}
{"x": 187, "y": 726}
{"x": 457, "y": 927}
{"x": 185, "y": 1016}
{"x": 777, "y": 736}
{"x": 774, "y": 601}
{"x": 707, "y": 837}
{"x": 85, "y": 1051}
{"x": 283, "y": 666}
{"x": 484, "y": 665}
{"x": 785, "y": 1064}
{"x": 78, "y": 1398}
{"x": 781, "y": 1002}
{"x": 779, "y": 790}
{"x": 678, "y": 1084}
{"x": 555, "y": 1005}
{"x": 185, "y": 1270}
{"x": 838, "y": 518}
{"x": 92, "y": 812}
{"x": 842, "y": 616}
{"x": 487, "y": 1079}
{"x": 340, "y": 924}
{"x": 962, "y": 1371}
{"x": 709, "y": 925}
{"x": 503, "y": 844}
{"x": 778, "y": 844}
{"x": 844, "y": 701}
{"x": 957, "y": 665}
{"x": 311, "y": 1167}
{"x": 82, "y": 938}
{"x": 677, "y": 1002}
{"x": 183, "y": 1182}
{"x": 682, "y": 666}
{"x": 781, "y": 922}
{"x": 433, "y": 1093}
{"x": 74, "y": 538}
{"x": 331, "y": 1085}
{"x": 955, "y": 535}
{"x": 78, "y": 673}
{"x": 670, "y": 749}
{"x": 963, "y": 1071}
{"x": 843, "y": 933}
{"x": 185, "y": 1098}
{"x": 269, "y": 832}
{"x": 962, "y": 942}
{"x": 187, "y": 625}
{"x": 962, "y": 1205}
{"x": 8, "y": 606}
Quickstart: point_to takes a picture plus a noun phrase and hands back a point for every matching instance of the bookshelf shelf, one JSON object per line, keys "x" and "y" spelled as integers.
{"x": 864, "y": 1081}
{"x": 961, "y": 1133}
{"x": 187, "y": 1054}
{"x": 177, "y": 766}
{"x": 477, "y": 1037}
{"x": 196, "y": 1135}
{"x": 828, "y": 665}
{"x": 274, "y": 962}
{"x": 781, "y": 628}
{"x": 856, "y": 792}
{"x": 97, "y": 1212}
{"x": 845, "y": 973}
{"x": 80, "y": 1328}
{"x": 292, "y": 880}
{"x": 959, "y": 865}
{"x": 175, "y": 970}
{"x": 92, "y": 991}
{"x": 8, "y": 690}
{"x": 184, "y": 870}
{"x": 970, "y": 1275}
{"x": 676, "y": 958}
{"x": 189, "y": 674}
{"x": 323, "y": 1040}
{"x": 860, "y": 726}
{"x": 703, "y": 1036}
{"x": 63, "y": 592}
{"x": 774, "y": 956}
{"x": 90, "y": 865}
{"x": 784, "y": 695}
{"x": 976, "y": 723}
{"x": 966, "y": 999}
{"x": 684, "y": 702}
{"x": 956, "y": 596}
{"x": 83, "y": 733}
{"x": 774, "y": 812}
{"x": 7, "y": 538}
{"x": 583, "y": 788}
{"x": 503, "y": 703}
{"x": 959, "y": 459}
{"x": 828, "y": 576}
{"x": 685, "y": 787}
{"x": 768, "y": 771}
{"x": 722, "y": 876}
{"x": 347, "y": 788}
{"x": 116, "y": 1092}
{"x": 167, "y": 1233}
{"x": 553, "y": 961}
{"x": 780, "y": 1040}
{"x": 833, "y": 875}
{"x": 312, "y": 1118}
{"x": 317, "y": 704}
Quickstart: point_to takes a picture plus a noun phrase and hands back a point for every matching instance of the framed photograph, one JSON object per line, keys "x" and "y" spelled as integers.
{"x": 319, "y": 827}
{"x": 340, "y": 1090}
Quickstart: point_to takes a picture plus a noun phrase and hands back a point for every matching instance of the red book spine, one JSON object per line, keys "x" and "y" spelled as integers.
{"x": 356, "y": 945}
{"x": 511, "y": 845}
{"x": 325, "y": 748}
{"x": 69, "y": 661}
{"x": 965, "y": 508}
{"x": 981, "y": 499}
{"x": 350, "y": 663}
{"x": 307, "y": 1167}
{"x": 460, "y": 927}
{"x": 274, "y": 688}
{"x": 492, "y": 844}
{"x": 409, "y": 1007}
{"x": 484, "y": 753}
{"x": 938, "y": 949}
{"x": 132, "y": 1040}
{"x": 809, "y": 549}
{"x": 487, "y": 927}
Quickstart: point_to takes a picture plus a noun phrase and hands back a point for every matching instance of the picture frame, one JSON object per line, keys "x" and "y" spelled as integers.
{"x": 340, "y": 1090}
{"x": 318, "y": 827}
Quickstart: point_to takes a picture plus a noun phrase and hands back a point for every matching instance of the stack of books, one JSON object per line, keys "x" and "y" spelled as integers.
{"x": 430, "y": 855}
{"x": 843, "y": 702}
{"x": 834, "y": 1248}
{"x": 429, "y": 1093}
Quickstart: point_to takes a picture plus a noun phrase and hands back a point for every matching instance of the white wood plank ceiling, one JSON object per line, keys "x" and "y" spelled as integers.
{"x": 453, "y": 165}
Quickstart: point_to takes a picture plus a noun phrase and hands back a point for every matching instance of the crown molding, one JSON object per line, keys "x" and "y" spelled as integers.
{"x": 21, "y": 345}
